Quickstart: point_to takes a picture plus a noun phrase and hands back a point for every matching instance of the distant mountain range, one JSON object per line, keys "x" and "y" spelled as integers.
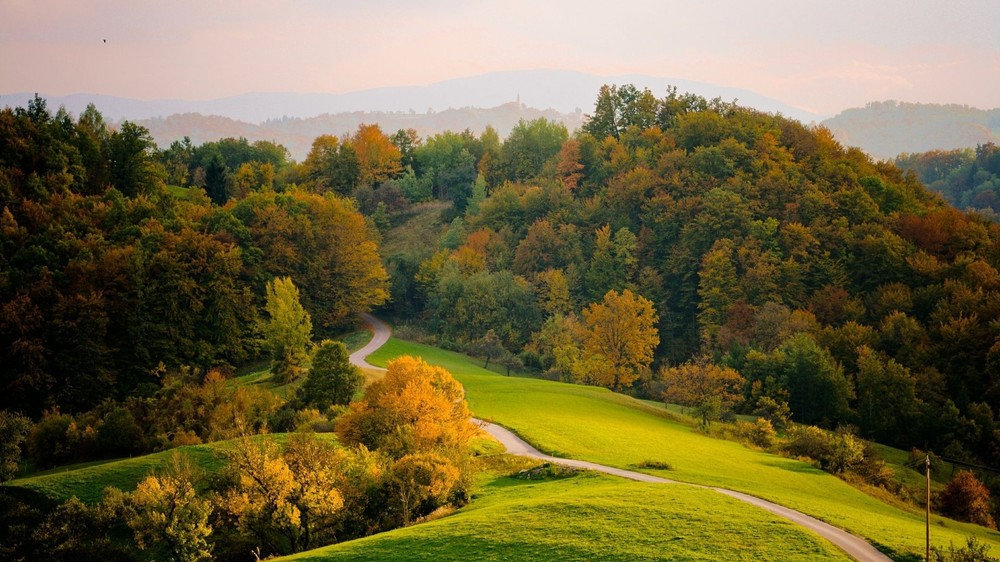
{"x": 561, "y": 90}
{"x": 887, "y": 129}
{"x": 883, "y": 129}
{"x": 297, "y": 134}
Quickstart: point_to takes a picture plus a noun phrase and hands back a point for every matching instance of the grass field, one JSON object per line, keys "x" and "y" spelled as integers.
{"x": 87, "y": 481}
{"x": 598, "y": 425}
{"x": 591, "y": 517}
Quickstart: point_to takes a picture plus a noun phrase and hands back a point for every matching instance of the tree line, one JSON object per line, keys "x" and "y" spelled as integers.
{"x": 832, "y": 285}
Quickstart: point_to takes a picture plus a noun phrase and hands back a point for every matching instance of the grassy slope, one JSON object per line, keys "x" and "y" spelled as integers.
{"x": 591, "y": 517}
{"x": 87, "y": 481}
{"x": 598, "y": 425}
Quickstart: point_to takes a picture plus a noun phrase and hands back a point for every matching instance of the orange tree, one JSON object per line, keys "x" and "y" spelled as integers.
{"x": 620, "y": 336}
{"x": 709, "y": 388}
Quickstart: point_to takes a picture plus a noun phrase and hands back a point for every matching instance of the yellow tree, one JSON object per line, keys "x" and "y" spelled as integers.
{"x": 284, "y": 498}
{"x": 288, "y": 329}
{"x": 620, "y": 338}
{"x": 414, "y": 408}
{"x": 422, "y": 480}
{"x": 167, "y": 511}
{"x": 709, "y": 388}
{"x": 378, "y": 158}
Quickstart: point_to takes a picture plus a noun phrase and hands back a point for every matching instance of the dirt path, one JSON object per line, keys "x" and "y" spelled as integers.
{"x": 855, "y": 546}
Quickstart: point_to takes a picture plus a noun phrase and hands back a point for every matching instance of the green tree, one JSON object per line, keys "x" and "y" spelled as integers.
{"x": 530, "y": 145}
{"x": 489, "y": 347}
{"x": 332, "y": 379}
{"x": 288, "y": 329}
{"x": 130, "y": 155}
{"x": 14, "y": 430}
{"x": 887, "y": 403}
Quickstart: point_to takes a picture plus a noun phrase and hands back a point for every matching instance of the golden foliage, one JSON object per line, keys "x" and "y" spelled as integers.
{"x": 620, "y": 338}
{"x": 415, "y": 407}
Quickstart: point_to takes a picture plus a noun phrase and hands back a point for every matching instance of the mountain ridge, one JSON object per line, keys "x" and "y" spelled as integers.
{"x": 560, "y": 90}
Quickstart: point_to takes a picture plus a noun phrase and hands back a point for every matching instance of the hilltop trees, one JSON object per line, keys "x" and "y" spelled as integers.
{"x": 836, "y": 285}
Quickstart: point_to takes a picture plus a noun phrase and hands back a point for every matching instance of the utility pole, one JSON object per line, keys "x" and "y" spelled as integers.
{"x": 927, "y": 520}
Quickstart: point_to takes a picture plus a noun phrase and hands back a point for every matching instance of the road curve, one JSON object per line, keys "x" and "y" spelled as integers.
{"x": 380, "y": 335}
{"x": 855, "y": 546}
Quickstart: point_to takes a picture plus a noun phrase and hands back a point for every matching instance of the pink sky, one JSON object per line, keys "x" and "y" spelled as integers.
{"x": 819, "y": 56}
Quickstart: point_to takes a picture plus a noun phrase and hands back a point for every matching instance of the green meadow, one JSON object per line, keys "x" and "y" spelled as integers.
{"x": 591, "y": 517}
{"x": 598, "y": 425}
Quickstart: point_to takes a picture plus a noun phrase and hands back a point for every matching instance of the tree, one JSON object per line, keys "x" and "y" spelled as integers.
{"x": 489, "y": 347}
{"x": 510, "y": 361}
{"x": 421, "y": 482}
{"x": 530, "y": 145}
{"x": 332, "y": 379}
{"x": 288, "y": 329}
{"x": 331, "y": 166}
{"x": 818, "y": 389}
{"x": 414, "y": 408}
{"x": 621, "y": 332}
{"x": 285, "y": 499}
{"x": 887, "y": 403}
{"x": 967, "y": 499}
{"x": 217, "y": 180}
{"x": 129, "y": 152}
{"x": 711, "y": 389}
{"x": 378, "y": 158}
{"x": 168, "y": 512}
{"x": 14, "y": 430}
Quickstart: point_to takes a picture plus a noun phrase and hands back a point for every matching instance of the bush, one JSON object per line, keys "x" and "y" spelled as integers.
{"x": 973, "y": 551}
{"x": 775, "y": 411}
{"x": 421, "y": 483}
{"x": 967, "y": 499}
{"x": 835, "y": 452}
{"x": 759, "y": 433}
{"x": 47, "y": 442}
{"x": 119, "y": 435}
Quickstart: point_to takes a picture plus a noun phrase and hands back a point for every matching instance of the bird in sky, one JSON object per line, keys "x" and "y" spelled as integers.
{"x": 105, "y": 40}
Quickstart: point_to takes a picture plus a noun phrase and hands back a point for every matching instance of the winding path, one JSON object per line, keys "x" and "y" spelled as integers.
{"x": 855, "y": 546}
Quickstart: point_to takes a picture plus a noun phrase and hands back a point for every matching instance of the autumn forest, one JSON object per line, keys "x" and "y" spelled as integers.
{"x": 735, "y": 270}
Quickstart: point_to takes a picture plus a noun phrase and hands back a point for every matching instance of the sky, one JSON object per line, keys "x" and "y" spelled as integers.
{"x": 819, "y": 56}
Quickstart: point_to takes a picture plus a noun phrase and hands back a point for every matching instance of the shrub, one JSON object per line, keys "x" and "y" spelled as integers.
{"x": 966, "y": 498}
{"x": 759, "y": 433}
{"x": 835, "y": 452}
{"x": 421, "y": 483}
{"x": 775, "y": 411}
{"x": 973, "y": 551}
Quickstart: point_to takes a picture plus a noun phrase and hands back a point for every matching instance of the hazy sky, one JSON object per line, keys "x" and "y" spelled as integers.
{"x": 819, "y": 56}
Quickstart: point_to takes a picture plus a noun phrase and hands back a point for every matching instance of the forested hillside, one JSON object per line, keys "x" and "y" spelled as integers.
{"x": 738, "y": 241}
{"x": 968, "y": 179}
{"x": 888, "y": 129}
{"x": 107, "y": 277}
